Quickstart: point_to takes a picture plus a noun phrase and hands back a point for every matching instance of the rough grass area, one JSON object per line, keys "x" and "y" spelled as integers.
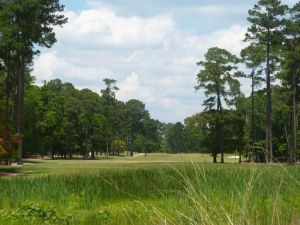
{"x": 157, "y": 190}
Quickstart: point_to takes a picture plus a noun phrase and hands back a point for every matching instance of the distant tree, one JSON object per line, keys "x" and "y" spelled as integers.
{"x": 149, "y": 139}
{"x": 119, "y": 146}
{"x": 136, "y": 115}
{"x": 108, "y": 103}
{"x": 33, "y": 139}
{"x": 218, "y": 77}
{"x": 194, "y": 134}
{"x": 175, "y": 137}
{"x": 119, "y": 123}
{"x": 90, "y": 108}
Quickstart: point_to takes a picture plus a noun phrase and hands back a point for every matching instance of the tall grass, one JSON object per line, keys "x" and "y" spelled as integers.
{"x": 194, "y": 194}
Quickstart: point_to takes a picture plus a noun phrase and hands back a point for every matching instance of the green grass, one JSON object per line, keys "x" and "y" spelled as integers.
{"x": 155, "y": 189}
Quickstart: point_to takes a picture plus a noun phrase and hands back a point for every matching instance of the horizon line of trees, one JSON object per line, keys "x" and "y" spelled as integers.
{"x": 60, "y": 121}
{"x": 64, "y": 122}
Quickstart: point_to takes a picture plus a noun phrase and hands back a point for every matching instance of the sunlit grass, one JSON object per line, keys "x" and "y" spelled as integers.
{"x": 139, "y": 192}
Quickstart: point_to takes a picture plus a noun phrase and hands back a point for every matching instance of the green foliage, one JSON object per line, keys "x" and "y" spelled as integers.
{"x": 205, "y": 126}
{"x": 62, "y": 121}
{"x": 266, "y": 23}
{"x": 149, "y": 139}
{"x": 119, "y": 145}
{"x": 218, "y": 78}
{"x": 175, "y": 137}
{"x": 33, "y": 213}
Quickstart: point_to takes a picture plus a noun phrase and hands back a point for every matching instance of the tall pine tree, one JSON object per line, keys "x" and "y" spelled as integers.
{"x": 24, "y": 24}
{"x": 266, "y": 30}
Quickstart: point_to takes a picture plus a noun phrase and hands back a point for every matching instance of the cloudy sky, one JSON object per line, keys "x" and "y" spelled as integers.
{"x": 149, "y": 46}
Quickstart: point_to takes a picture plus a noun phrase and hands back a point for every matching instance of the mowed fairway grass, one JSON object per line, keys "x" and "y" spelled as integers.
{"x": 157, "y": 189}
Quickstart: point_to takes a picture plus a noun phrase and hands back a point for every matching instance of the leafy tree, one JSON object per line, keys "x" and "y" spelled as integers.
{"x": 119, "y": 145}
{"x": 218, "y": 78}
{"x": 194, "y": 133}
{"x": 175, "y": 138}
{"x": 149, "y": 140}
{"x": 90, "y": 107}
{"x": 136, "y": 115}
{"x": 97, "y": 133}
{"x": 266, "y": 30}
{"x": 108, "y": 103}
{"x": 33, "y": 140}
{"x": 118, "y": 123}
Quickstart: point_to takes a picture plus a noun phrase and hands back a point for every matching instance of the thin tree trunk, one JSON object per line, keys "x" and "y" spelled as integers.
{"x": 214, "y": 157}
{"x": 118, "y": 150}
{"x": 253, "y": 114}
{"x": 20, "y": 115}
{"x": 7, "y": 99}
{"x": 52, "y": 153}
{"x": 107, "y": 147}
{"x": 269, "y": 108}
{"x": 289, "y": 148}
{"x": 131, "y": 141}
{"x": 86, "y": 155}
{"x": 7, "y": 112}
{"x": 221, "y": 136}
{"x": 220, "y": 111}
{"x": 127, "y": 147}
{"x": 293, "y": 149}
{"x": 219, "y": 128}
{"x": 93, "y": 153}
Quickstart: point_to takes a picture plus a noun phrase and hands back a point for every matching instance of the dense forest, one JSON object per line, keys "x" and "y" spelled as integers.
{"x": 59, "y": 121}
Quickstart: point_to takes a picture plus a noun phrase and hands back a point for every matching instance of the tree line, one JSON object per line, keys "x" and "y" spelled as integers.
{"x": 59, "y": 120}
{"x": 63, "y": 122}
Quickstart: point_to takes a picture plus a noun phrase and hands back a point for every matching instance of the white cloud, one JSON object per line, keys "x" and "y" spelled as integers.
{"x": 131, "y": 88}
{"x": 103, "y": 27}
{"x": 50, "y": 65}
{"x": 45, "y": 65}
{"x": 152, "y": 59}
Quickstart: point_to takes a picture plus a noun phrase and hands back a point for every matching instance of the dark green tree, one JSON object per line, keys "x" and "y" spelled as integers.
{"x": 136, "y": 115}
{"x": 175, "y": 138}
{"x": 219, "y": 78}
{"x": 108, "y": 105}
{"x": 90, "y": 108}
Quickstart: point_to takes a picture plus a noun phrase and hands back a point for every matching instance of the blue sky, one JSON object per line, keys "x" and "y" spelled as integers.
{"x": 150, "y": 46}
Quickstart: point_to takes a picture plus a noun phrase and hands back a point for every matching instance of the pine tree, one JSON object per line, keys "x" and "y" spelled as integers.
{"x": 266, "y": 30}
{"x": 218, "y": 78}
